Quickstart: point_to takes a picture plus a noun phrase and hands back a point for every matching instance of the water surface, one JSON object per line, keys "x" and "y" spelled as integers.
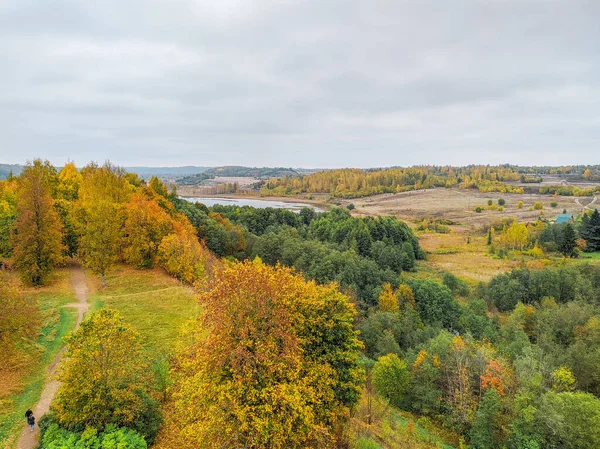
{"x": 251, "y": 202}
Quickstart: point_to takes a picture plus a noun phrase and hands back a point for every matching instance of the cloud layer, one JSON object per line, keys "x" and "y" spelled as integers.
{"x": 313, "y": 83}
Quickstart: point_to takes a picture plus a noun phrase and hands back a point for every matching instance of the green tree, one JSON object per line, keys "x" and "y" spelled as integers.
{"x": 37, "y": 238}
{"x": 568, "y": 244}
{"x": 391, "y": 379}
{"x": 569, "y": 420}
{"x": 104, "y": 377}
{"x": 484, "y": 432}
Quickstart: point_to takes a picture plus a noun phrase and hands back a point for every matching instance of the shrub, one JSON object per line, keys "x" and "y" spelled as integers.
{"x": 520, "y": 205}
{"x": 501, "y": 209}
{"x": 391, "y": 378}
{"x": 553, "y": 204}
{"x": 490, "y": 202}
{"x": 501, "y": 202}
{"x": 351, "y": 206}
{"x": 365, "y": 443}
{"x": 478, "y": 209}
{"x": 538, "y": 206}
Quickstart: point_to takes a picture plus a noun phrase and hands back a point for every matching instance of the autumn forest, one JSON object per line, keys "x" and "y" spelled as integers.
{"x": 145, "y": 319}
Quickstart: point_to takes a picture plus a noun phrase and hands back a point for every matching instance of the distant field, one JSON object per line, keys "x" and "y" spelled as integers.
{"x": 20, "y": 389}
{"x": 156, "y": 304}
{"x": 459, "y": 205}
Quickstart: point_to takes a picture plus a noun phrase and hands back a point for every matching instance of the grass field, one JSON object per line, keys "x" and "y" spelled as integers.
{"x": 20, "y": 388}
{"x": 153, "y": 302}
{"x": 590, "y": 256}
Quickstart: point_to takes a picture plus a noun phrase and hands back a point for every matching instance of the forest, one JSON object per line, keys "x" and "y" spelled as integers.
{"x": 315, "y": 329}
{"x": 356, "y": 183}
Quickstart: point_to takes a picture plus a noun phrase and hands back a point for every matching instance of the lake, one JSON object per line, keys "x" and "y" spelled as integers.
{"x": 251, "y": 202}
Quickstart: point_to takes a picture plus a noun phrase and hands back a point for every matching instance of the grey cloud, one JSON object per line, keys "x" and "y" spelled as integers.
{"x": 302, "y": 83}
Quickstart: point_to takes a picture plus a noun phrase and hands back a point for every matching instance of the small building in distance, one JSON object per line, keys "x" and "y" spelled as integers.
{"x": 564, "y": 218}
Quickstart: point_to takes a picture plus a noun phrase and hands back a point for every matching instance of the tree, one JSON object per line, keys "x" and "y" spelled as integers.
{"x": 538, "y": 206}
{"x": 484, "y": 433}
{"x": 37, "y": 237}
{"x": 274, "y": 363}
{"x": 183, "y": 256}
{"x": 501, "y": 202}
{"x": 388, "y": 302}
{"x": 590, "y": 231}
{"x": 514, "y": 237}
{"x": 104, "y": 376}
{"x": 391, "y": 379}
{"x": 19, "y": 318}
{"x": 568, "y": 244}
{"x": 569, "y": 420}
{"x": 145, "y": 226}
{"x": 99, "y": 216}
{"x": 520, "y": 205}
{"x": 562, "y": 379}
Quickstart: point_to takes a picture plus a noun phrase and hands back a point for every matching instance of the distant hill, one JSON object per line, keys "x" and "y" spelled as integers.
{"x": 5, "y": 169}
{"x": 252, "y": 172}
{"x": 170, "y": 171}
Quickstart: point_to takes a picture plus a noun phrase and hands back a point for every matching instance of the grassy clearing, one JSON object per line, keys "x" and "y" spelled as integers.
{"x": 590, "y": 256}
{"x": 393, "y": 428}
{"x": 153, "y": 302}
{"x": 22, "y": 387}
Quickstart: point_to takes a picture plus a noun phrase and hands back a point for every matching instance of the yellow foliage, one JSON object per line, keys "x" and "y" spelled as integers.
{"x": 261, "y": 370}
{"x": 388, "y": 302}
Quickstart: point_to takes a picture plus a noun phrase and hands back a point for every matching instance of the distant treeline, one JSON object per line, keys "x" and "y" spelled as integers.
{"x": 354, "y": 183}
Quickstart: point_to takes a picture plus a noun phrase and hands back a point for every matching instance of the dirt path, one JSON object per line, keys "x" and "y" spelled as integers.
{"x": 28, "y": 439}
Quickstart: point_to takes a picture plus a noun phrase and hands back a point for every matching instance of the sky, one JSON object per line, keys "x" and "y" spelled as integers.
{"x": 300, "y": 83}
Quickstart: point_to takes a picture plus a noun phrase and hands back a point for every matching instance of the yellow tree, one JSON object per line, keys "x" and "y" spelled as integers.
{"x": 516, "y": 236}
{"x": 104, "y": 376}
{"x": 100, "y": 218}
{"x": 274, "y": 364}
{"x": 406, "y": 297}
{"x": 37, "y": 237}
{"x": 183, "y": 256}
{"x": 388, "y": 302}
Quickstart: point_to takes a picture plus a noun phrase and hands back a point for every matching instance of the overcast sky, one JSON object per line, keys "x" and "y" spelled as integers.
{"x": 310, "y": 83}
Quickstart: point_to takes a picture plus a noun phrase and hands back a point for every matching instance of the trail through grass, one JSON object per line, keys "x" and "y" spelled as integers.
{"x": 29, "y": 380}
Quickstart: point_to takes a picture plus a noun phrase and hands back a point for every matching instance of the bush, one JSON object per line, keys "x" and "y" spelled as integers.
{"x": 501, "y": 209}
{"x": 501, "y": 202}
{"x": 553, "y": 204}
{"x": 455, "y": 284}
{"x": 490, "y": 202}
{"x": 351, "y": 206}
{"x": 478, "y": 209}
{"x": 538, "y": 206}
{"x": 391, "y": 379}
{"x": 365, "y": 443}
{"x": 520, "y": 205}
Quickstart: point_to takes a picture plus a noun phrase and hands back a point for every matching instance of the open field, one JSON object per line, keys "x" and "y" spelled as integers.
{"x": 21, "y": 386}
{"x": 156, "y": 304}
{"x": 459, "y": 205}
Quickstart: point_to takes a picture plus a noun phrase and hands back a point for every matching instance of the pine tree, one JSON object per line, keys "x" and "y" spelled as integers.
{"x": 37, "y": 237}
{"x": 568, "y": 244}
{"x": 592, "y": 233}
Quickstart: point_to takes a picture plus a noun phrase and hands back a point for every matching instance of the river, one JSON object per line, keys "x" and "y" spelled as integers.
{"x": 251, "y": 202}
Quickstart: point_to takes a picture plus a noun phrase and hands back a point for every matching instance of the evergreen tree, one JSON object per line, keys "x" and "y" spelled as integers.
{"x": 590, "y": 231}
{"x": 568, "y": 244}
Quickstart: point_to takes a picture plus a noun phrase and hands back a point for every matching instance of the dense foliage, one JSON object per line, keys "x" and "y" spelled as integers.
{"x": 361, "y": 254}
{"x": 274, "y": 363}
{"x": 352, "y": 183}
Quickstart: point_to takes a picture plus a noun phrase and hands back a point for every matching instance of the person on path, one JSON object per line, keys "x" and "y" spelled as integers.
{"x": 30, "y": 419}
